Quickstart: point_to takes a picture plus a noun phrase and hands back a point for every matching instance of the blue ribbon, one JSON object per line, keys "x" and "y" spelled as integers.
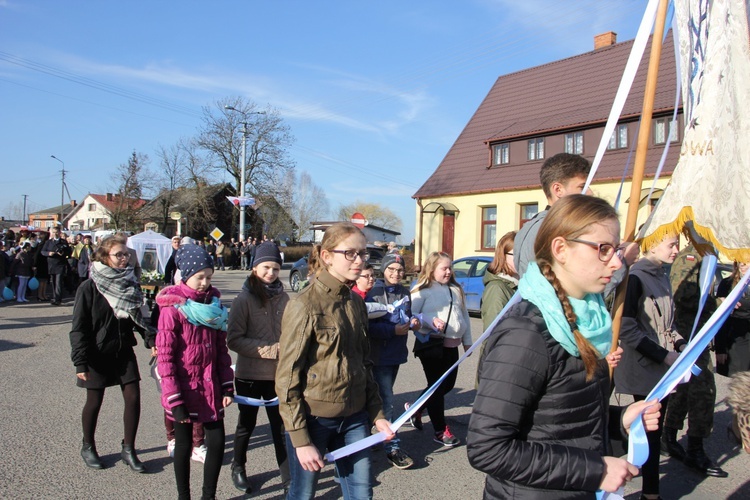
{"x": 638, "y": 445}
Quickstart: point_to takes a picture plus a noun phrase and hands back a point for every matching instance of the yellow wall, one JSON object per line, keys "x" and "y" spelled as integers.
{"x": 468, "y": 222}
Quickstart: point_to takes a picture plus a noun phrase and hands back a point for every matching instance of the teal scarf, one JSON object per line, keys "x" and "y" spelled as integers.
{"x": 212, "y": 315}
{"x": 592, "y": 318}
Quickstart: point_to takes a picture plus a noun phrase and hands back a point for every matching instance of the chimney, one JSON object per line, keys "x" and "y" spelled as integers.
{"x": 73, "y": 203}
{"x": 109, "y": 196}
{"x": 605, "y": 40}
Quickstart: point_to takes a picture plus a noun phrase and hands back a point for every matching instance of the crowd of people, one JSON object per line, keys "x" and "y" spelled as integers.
{"x": 324, "y": 363}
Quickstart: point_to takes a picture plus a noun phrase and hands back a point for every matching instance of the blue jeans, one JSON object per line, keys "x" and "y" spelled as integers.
{"x": 385, "y": 376}
{"x": 328, "y": 434}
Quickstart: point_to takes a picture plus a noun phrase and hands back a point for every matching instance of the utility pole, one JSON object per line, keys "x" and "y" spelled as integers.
{"x": 62, "y": 191}
{"x": 24, "y": 206}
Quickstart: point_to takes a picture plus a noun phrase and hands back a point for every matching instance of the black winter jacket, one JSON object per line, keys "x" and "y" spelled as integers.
{"x": 538, "y": 429}
{"x": 96, "y": 332}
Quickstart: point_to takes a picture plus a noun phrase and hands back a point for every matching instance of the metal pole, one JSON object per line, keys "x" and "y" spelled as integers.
{"x": 62, "y": 191}
{"x": 242, "y": 182}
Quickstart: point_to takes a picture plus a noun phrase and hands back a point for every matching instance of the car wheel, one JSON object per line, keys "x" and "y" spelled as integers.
{"x": 294, "y": 281}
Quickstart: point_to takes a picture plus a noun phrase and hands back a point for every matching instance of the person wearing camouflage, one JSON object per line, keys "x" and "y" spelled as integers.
{"x": 696, "y": 398}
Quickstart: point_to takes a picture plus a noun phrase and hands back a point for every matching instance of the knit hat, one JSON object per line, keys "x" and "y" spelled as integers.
{"x": 391, "y": 258}
{"x": 190, "y": 259}
{"x": 267, "y": 252}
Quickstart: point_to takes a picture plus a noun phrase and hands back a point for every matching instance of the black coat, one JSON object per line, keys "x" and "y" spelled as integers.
{"x": 96, "y": 333}
{"x": 538, "y": 429}
{"x": 57, "y": 263}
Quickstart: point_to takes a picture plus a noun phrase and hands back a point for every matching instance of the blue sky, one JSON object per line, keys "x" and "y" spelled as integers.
{"x": 375, "y": 93}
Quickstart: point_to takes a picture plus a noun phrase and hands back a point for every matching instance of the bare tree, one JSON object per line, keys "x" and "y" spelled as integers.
{"x": 309, "y": 203}
{"x": 267, "y": 141}
{"x": 195, "y": 199}
{"x": 131, "y": 182}
{"x": 172, "y": 174}
{"x": 375, "y": 213}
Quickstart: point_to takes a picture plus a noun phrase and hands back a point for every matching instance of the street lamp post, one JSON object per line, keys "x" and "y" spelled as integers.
{"x": 62, "y": 191}
{"x": 245, "y": 133}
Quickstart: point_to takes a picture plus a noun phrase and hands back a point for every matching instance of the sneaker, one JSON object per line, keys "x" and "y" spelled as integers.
{"x": 416, "y": 419}
{"x": 199, "y": 453}
{"x": 446, "y": 438}
{"x": 399, "y": 459}
{"x": 170, "y": 448}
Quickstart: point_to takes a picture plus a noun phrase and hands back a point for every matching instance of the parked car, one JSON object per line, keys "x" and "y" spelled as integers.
{"x": 469, "y": 272}
{"x": 299, "y": 270}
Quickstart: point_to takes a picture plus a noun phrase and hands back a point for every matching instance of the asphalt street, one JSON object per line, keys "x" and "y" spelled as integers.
{"x": 40, "y": 434}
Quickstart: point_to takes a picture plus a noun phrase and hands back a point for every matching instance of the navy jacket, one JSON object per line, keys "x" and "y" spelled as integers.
{"x": 387, "y": 348}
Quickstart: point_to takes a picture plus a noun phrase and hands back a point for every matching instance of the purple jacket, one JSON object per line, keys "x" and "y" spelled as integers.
{"x": 194, "y": 363}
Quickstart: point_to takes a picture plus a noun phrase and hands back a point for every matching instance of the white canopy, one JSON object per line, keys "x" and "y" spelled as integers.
{"x": 153, "y": 250}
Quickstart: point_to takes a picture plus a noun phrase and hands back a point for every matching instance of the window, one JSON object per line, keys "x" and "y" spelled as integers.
{"x": 536, "y": 148}
{"x": 619, "y": 138}
{"x": 49, "y": 223}
{"x": 574, "y": 143}
{"x": 489, "y": 227}
{"x": 37, "y": 223}
{"x": 661, "y": 125}
{"x": 501, "y": 154}
{"x": 528, "y": 211}
{"x": 92, "y": 207}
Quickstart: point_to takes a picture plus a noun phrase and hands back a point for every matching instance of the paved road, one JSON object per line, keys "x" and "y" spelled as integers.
{"x": 40, "y": 433}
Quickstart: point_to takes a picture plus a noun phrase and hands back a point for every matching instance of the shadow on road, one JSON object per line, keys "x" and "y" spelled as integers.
{"x": 8, "y": 345}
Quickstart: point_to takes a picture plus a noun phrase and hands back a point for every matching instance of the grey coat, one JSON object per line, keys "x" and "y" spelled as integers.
{"x": 646, "y": 335}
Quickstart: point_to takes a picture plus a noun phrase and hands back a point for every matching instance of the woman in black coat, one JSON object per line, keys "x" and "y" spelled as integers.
{"x": 541, "y": 424}
{"x": 107, "y": 309}
{"x": 733, "y": 340}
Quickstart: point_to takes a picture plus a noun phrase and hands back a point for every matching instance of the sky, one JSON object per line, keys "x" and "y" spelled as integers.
{"x": 374, "y": 93}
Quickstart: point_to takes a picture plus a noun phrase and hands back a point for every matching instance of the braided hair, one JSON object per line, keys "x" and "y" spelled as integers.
{"x": 571, "y": 217}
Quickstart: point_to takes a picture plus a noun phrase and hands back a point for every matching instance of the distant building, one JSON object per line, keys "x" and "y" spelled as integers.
{"x": 372, "y": 233}
{"x": 99, "y": 212}
{"x": 50, "y": 217}
{"x": 488, "y": 182}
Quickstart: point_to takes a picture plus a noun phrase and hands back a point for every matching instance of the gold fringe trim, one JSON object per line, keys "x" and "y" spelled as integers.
{"x": 678, "y": 226}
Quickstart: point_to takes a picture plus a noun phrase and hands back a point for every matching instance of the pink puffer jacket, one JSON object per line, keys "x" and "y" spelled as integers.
{"x": 194, "y": 363}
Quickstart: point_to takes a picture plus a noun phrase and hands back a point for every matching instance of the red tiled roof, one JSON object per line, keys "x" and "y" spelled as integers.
{"x": 573, "y": 93}
{"x": 113, "y": 205}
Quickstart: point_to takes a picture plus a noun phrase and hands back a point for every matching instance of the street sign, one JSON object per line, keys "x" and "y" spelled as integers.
{"x": 216, "y": 234}
{"x": 359, "y": 220}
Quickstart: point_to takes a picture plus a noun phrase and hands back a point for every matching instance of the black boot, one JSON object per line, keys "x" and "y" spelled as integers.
{"x": 90, "y": 456}
{"x": 696, "y": 458}
{"x": 670, "y": 446}
{"x": 130, "y": 458}
{"x": 239, "y": 478}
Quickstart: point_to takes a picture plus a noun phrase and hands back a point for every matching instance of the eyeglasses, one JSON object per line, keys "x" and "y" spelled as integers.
{"x": 351, "y": 255}
{"x": 120, "y": 255}
{"x": 367, "y": 277}
{"x": 395, "y": 270}
{"x": 509, "y": 253}
{"x": 606, "y": 250}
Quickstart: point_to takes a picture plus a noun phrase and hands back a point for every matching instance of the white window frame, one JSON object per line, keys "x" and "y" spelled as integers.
{"x": 574, "y": 143}
{"x": 501, "y": 154}
{"x": 535, "y": 149}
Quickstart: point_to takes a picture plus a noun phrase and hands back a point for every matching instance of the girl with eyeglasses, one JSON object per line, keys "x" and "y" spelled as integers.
{"x": 647, "y": 339}
{"x": 541, "y": 422}
{"x": 328, "y": 397}
{"x": 440, "y": 300}
{"x": 106, "y": 311}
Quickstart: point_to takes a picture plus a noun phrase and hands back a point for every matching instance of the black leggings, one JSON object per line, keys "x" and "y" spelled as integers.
{"x": 249, "y": 414}
{"x": 183, "y": 434}
{"x": 131, "y": 394}
{"x": 433, "y": 370}
{"x": 650, "y": 470}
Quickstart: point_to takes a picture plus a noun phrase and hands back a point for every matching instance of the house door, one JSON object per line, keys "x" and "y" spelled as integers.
{"x": 449, "y": 220}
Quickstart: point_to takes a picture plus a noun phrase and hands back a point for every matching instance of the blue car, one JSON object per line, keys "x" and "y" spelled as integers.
{"x": 469, "y": 272}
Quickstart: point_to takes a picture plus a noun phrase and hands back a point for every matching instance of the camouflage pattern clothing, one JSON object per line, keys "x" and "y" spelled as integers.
{"x": 696, "y": 398}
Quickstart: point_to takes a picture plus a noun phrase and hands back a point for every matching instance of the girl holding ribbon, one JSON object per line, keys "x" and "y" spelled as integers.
{"x": 194, "y": 365}
{"x": 328, "y": 397}
{"x": 253, "y": 333}
{"x": 541, "y": 421}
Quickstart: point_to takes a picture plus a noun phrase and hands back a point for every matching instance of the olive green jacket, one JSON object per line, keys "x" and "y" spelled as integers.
{"x": 324, "y": 365}
{"x": 498, "y": 290}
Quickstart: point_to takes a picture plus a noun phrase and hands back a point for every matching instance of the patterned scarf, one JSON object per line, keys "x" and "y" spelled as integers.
{"x": 592, "y": 318}
{"x": 212, "y": 315}
{"x": 119, "y": 287}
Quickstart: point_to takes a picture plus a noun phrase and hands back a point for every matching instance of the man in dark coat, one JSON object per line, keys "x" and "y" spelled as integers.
{"x": 57, "y": 250}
